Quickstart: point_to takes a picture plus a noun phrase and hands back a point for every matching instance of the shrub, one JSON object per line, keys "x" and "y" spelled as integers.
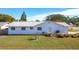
{"x": 66, "y": 35}
{"x": 49, "y": 34}
{"x": 58, "y": 35}
{"x": 77, "y": 35}
{"x": 30, "y": 39}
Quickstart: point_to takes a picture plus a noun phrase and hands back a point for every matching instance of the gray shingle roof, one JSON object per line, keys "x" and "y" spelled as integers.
{"x": 28, "y": 24}
{"x": 24, "y": 23}
{"x": 62, "y": 23}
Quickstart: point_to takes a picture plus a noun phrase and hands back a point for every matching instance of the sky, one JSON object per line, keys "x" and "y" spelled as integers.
{"x": 39, "y": 13}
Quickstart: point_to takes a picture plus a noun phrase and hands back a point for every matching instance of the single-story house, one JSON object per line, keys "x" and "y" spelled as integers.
{"x": 37, "y": 27}
{"x": 4, "y": 27}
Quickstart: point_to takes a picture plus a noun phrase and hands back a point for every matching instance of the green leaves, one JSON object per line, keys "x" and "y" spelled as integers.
{"x": 56, "y": 17}
{"x": 61, "y": 18}
{"x": 6, "y": 18}
{"x": 23, "y": 17}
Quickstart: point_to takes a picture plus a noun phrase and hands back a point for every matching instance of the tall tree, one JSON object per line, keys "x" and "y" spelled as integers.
{"x": 23, "y": 17}
{"x": 56, "y": 17}
{"x": 75, "y": 20}
{"x": 61, "y": 18}
{"x": 37, "y": 20}
{"x": 6, "y": 18}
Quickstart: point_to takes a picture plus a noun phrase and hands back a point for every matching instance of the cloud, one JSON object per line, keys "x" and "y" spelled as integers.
{"x": 69, "y": 12}
{"x": 38, "y": 17}
{"x": 72, "y": 12}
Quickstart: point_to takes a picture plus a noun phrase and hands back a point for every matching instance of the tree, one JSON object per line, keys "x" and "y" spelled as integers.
{"x": 61, "y": 18}
{"x": 23, "y": 17}
{"x": 6, "y": 18}
{"x": 68, "y": 20}
{"x": 37, "y": 20}
{"x": 56, "y": 17}
{"x": 75, "y": 20}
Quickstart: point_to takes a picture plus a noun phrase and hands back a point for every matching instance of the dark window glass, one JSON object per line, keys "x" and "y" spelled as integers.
{"x": 39, "y": 28}
{"x": 31, "y": 27}
{"x": 23, "y": 28}
{"x": 12, "y": 28}
{"x": 57, "y": 31}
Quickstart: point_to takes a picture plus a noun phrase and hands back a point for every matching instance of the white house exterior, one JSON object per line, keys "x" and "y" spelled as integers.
{"x": 4, "y": 25}
{"x": 37, "y": 27}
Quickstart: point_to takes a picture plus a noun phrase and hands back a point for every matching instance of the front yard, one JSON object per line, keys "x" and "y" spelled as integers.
{"x": 26, "y": 42}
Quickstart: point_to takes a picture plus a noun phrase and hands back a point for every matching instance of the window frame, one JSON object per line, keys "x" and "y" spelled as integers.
{"x": 39, "y": 28}
{"x": 23, "y": 28}
{"x": 12, "y": 28}
{"x": 31, "y": 28}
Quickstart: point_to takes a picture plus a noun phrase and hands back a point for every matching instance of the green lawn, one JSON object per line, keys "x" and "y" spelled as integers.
{"x": 25, "y": 42}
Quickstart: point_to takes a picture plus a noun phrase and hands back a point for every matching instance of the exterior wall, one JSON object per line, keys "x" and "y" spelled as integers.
{"x": 19, "y": 31}
{"x": 46, "y": 28}
{"x": 50, "y": 27}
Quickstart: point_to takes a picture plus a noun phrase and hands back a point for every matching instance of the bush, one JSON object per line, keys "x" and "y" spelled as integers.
{"x": 73, "y": 35}
{"x": 30, "y": 39}
{"x": 66, "y": 35}
{"x": 59, "y": 35}
{"x": 62, "y": 35}
{"x": 49, "y": 34}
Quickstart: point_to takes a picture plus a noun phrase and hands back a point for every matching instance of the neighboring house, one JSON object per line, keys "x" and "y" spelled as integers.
{"x": 37, "y": 27}
{"x": 4, "y": 27}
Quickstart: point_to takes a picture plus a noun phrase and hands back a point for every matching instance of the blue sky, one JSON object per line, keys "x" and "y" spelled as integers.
{"x": 38, "y": 13}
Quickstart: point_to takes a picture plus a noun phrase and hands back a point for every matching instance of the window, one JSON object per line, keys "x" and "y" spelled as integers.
{"x": 57, "y": 31}
{"x": 23, "y": 28}
{"x": 39, "y": 28}
{"x": 43, "y": 32}
{"x": 31, "y": 27}
{"x": 12, "y": 28}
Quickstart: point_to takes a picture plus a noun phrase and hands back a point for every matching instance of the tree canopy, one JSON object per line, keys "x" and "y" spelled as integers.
{"x": 61, "y": 18}
{"x": 6, "y": 18}
{"x": 56, "y": 17}
{"x": 23, "y": 17}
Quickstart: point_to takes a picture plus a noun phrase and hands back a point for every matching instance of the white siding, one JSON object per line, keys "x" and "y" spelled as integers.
{"x": 52, "y": 27}
{"x": 46, "y": 28}
{"x": 19, "y": 31}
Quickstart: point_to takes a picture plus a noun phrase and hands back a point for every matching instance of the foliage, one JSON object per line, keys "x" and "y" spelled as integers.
{"x": 6, "y": 18}
{"x": 23, "y": 17}
{"x": 61, "y": 18}
{"x": 30, "y": 39}
{"x": 74, "y": 20}
{"x": 56, "y": 17}
{"x": 37, "y": 20}
{"x": 58, "y": 35}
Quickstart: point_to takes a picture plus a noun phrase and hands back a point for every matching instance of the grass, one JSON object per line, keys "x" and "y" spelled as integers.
{"x": 73, "y": 30}
{"x": 29, "y": 42}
